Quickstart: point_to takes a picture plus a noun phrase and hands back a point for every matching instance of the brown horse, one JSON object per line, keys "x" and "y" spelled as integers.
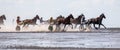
{"x": 65, "y": 21}
{"x": 28, "y": 21}
{"x": 79, "y": 20}
{"x": 97, "y": 20}
{"x": 59, "y": 19}
{"x": 2, "y": 18}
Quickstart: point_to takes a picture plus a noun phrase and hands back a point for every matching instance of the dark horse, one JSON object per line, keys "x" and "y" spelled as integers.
{"x": 65, "y": 21}
{"x": 97, "y": 20}
{"x": 2, "y": 18}
{"x": 79, "y": 20}
{"x": 28, "y": 21}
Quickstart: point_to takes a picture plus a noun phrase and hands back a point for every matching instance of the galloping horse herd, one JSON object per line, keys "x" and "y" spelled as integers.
{"x": 60, "y": 20}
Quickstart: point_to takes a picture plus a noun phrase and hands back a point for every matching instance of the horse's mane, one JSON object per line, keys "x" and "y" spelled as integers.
{"x": 2, "y": 16}
{"x": 69, "y": 16}
{"x": 35, "y": 18}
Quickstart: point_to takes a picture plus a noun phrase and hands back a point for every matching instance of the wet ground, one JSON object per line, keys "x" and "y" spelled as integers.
{"x": 103, "y": 39}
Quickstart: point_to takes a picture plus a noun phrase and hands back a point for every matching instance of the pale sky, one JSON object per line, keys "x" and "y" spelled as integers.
{"x": 53, "y": 8}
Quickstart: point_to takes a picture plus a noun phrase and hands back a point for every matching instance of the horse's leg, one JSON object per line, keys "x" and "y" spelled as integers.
{"x": 71, "y": 25}
{"x": 57, "y": 27}
{"x": 80, "y": 27}
{"x": 64, "y": 27}
{"x": 27, "y": 25}
{"x": 103, "y": 26}
{"x": 94, "y": 26}
{"x": 99, "y": 26}
{"x": 75, "y": 25}
{"x": 87, "y": 26}
{"x": 24, "y": 25}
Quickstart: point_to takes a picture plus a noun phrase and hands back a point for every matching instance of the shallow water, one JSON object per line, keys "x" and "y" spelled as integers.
{"x": 40, "y": 37}
{"x": 77, "y": 40}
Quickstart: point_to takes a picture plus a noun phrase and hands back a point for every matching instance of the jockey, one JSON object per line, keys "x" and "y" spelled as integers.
{"x": 51, "y": 24}
{"x": 41, "y": 20}
{"x": 18, "y": 20}
{"x": 83, "y": 19}
{"x": 51, "y": 20}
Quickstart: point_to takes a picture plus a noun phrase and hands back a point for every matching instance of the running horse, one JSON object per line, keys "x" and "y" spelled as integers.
{"x": 79, "y": 20}
{"x": 97, "y": 20}
{"x": 65, "y": 21}
{"x": 2, "y": 18}
{"x": 28, "y": 21}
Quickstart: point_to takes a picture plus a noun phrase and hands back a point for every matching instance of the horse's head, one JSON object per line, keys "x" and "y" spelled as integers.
{"x": 81, "y": 16}
{"x": 71, "y": 16}
{"x": 3, "y": 16}
{"x": 37, "y": 17}
{"x": 60, "y": 17}
{"x": 102, "y": 16}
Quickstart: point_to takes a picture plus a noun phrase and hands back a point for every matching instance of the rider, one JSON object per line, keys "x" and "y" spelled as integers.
{"x": 51, "y": 24}
{"x": 18, "y": 19}
{"x": 41, "y": 20}
{"x": 83, "y": 19}
{"x": 51, "y": 20}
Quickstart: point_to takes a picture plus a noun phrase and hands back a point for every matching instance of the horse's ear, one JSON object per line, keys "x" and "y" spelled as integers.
{"x": 60, "y": 15}
{"x": 82, "y": 14}
{"x": 102, "y": 14}
{"x": 37, "y": 15}
{"x": 3, "y": 15}
{"x": 70, "y": 14}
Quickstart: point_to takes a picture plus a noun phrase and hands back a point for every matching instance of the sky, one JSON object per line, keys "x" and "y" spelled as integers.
{"x": 28, "y": 9}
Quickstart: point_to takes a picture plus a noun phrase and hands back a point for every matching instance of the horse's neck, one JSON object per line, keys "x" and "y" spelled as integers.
{"x": 68, "y": 19}
{"x": 1, "y": 18}
{"x": 99, "y": 19}
{"x": 35, "y": 19}
{"x": 80, "y": 19}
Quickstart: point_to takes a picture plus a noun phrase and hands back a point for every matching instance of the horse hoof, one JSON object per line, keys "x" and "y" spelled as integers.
{"x": 96, "y": 28}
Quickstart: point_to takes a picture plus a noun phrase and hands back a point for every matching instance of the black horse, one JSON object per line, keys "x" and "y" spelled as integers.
{"x": 97, "y": 20}
{"x": 79, "y": 20}
{"x": 2, "y": 18}
{"x": 28, "y": 21}
{"x": 65, "y": 21}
